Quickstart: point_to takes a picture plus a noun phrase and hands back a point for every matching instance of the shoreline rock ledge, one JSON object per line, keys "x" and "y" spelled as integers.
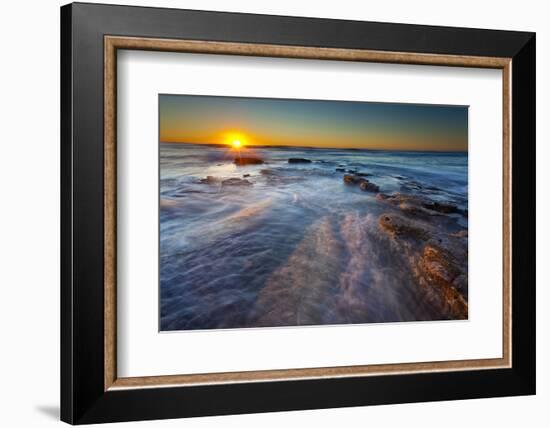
{"x": 437, "y": 259}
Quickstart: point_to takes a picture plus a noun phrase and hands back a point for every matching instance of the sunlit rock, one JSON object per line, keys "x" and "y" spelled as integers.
{"x": 398, "y": 226}
{"x": 240, "y": 161}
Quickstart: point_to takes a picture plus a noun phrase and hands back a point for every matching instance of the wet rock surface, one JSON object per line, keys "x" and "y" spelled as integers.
{"x": 441, "y": 267}
{"x": 367, "y": 186}
{"x": 437, "y": 259}
{"x": 351, "y": 179}
{"x": 240, "y": 161}
{"x": 420, "y": 205}
{"x": 364, "y": 184}
{"x": 398, "y": 226}
{"x": 298, "y": 160}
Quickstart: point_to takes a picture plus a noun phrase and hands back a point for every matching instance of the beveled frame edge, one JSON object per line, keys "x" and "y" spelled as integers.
{"x": 112, "y": 43}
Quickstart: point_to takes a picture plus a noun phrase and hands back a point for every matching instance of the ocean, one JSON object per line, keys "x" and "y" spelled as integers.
{"x": 291, "y": 244}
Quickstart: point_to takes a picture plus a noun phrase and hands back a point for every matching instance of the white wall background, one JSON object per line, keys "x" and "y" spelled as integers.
{"x": 29, "y": 215}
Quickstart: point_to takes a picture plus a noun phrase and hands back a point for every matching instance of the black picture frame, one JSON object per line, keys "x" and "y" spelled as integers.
{"x": 83, "y": 398}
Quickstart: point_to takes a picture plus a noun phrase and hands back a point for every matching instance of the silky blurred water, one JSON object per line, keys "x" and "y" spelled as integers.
{"x": 298, "y": 246}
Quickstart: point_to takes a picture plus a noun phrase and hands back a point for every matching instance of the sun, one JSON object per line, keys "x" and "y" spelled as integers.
{"x": 236, "y": 141}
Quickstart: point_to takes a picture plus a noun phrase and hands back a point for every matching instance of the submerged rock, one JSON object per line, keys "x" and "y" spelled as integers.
{"x": 364, "y": 184}
{"x": 236, "y": 182}
{"x": 298, "y": 160}
{"x": 433, "y": 188}
{"x": 363, "y": 174}
{"x": 248, "y": 161}
{"x": 301, "y": 290}
{"x": 367, "y": 186}
{"x": 352, "y": 179}
{"x": 411, "y": 186}
{"x": 209, "y": 180}
{"x": 340, "y": 170}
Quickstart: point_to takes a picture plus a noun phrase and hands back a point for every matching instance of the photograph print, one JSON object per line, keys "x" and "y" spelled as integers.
{"x": 291, "y": 212}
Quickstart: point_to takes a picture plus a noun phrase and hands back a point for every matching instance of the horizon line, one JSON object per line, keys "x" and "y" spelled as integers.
{"x": 314, "y": 147}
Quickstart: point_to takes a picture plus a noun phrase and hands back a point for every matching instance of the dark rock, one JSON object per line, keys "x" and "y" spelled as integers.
{"x": 340, "y": 170}
{"x": 363, "y": 174}
{"x": 298, "y": 160}
{"x": 236, "y": 182}
{"x": 246, "y": 175}
{"x": 364, "y": 184}
{"x": 367, "y": 186}
{"x": 352, "y": 179}
{"x": 352, "y": 171}
{"x": 248, "y": 161}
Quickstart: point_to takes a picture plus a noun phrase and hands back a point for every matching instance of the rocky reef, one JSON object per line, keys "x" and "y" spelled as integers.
{"x": 437, "y": 259}
{"x": 423, "y": 237}
{"x": 364, "y": 184}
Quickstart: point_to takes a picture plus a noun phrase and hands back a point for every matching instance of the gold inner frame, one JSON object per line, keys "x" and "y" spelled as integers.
{"x": 113, "y": 43}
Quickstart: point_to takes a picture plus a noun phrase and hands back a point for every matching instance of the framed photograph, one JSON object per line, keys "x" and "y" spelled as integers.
{"x": 266, "y": 213}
